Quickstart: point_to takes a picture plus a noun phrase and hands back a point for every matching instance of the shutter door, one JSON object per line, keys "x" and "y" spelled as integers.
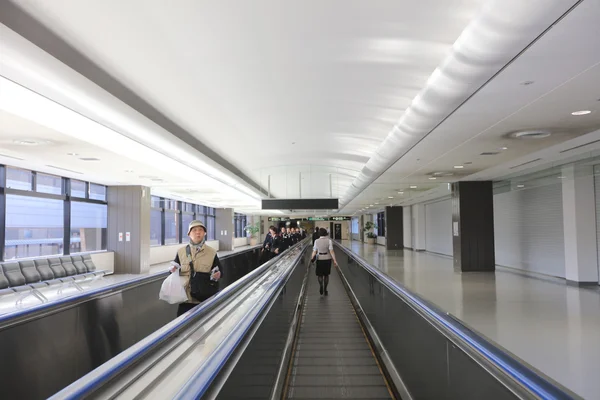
{"x": 528, "y": 230}
{"x": 407, "y": 222}
{"x": 438, "y": 227}
{"x": 597, "y": 189}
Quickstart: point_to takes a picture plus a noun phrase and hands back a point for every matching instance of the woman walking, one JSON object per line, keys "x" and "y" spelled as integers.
{"x": 323, "y": 251}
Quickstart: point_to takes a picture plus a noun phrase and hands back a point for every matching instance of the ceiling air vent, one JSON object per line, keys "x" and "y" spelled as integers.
{"x": 14, "y": 158}
{"x": 89, "y": 159}
{"x": 580, "y": 146}
{"x": 64, "y": 169}
{"x": 525, "y": 163}
{"x": 490, "y": 153}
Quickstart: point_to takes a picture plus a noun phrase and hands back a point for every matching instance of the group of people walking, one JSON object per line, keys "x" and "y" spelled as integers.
{"x": 277, "y": 242}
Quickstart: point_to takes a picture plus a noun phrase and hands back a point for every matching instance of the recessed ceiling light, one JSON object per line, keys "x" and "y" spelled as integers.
{"x": 458, "y": 166}
{"x": 72, "y": 154}
{"x": 400, "y": 192}
{"x": 503, "y": 148}
{"x": 520, "y": 186}
{"x": 371, "y": 205}
{"x": 433, "y": 178}
{"x": 376, "y": 203}
{"x": 390, "y": 197}
{"x": 413, "y": 187}
{"x": 31, "y": 142}
{"x": 583, "y": 112}
{"x": 530, "y": 134}
{"x": 89, "y": 159}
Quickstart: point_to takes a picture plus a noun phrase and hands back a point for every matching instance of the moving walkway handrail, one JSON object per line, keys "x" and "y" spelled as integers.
{"x": 16, "y": 317}
{"x": 103, "y": 374}
{"x": 522, "y": 375}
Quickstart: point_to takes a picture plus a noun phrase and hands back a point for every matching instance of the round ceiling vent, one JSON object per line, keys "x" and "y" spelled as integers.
{"x": 530, "y": 134}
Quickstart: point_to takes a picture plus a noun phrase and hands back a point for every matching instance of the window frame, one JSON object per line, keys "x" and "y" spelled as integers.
{"x": 198, "y": 212}
{"x": 381, "y": 223}
{"x": 65, "y": 196}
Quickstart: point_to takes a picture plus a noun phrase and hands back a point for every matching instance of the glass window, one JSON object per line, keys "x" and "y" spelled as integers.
{"x": 19, "y": 179}
{"x": 97, "y": 192}
{"x": 381, "y": 224}
{"x": 34, "y": 227}
{"x": 186, "y": 220}
{"x": 78, "y": 189}
{"x": 48, "y": 184}
{"x": 155, "y": 202}
{"x": 210, "y": 226}
{"x": 170, "y": 204}
{"x": 188, "y": 207}
{"x": 155, "y": 227}
{"x": 88, "y": 227}
{"x": 171, "y": 228}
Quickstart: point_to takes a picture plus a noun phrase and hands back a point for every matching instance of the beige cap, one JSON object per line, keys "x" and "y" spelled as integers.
{"x": 194, "y": 224}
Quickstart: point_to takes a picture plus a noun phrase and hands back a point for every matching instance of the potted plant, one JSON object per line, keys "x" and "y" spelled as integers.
{"x": 253, "y": 229}
{"x": 371, "y": 236}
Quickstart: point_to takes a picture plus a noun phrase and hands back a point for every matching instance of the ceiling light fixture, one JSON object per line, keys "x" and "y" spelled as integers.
{"x": 503, "y": 148}
{"x": 31, "y": 142}
{"x": 520, "y": 186}
{"x": 72, "y": 154}
{"x": 413, "y": 187}
{"x": 390, "y": 197}
{"x": 530, "y": 135}
{"x": 433, "y": 178}
{"x": 458, "y": 166}
{"x": 582, "y": 112}
{"x": 400, "y": 192}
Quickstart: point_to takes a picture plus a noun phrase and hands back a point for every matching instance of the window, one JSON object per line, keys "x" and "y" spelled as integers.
{"x": 239, "y": 223}
{"x": 36, "y": 224}
{"x": 34, "y": 227}
{"x": 19, "y": 179}
{"x": 381, "y": 224}
{"x": 186, "y": 219}
{"x": 171, "y": 227}
{"x": 48, "y": 184}
{"x": 78, "y": 189}
{"x": 155, "y": 227}
{"x": 155, "y": 202}
{"x": 97, "y": 192}
{"x": 88, "y": 227}
{"x": 210, "y": 223}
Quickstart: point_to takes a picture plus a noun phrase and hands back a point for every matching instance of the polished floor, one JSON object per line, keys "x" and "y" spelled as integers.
{"x": 551, "y": 326}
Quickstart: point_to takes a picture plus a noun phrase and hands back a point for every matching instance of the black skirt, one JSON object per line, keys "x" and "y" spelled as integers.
{"x": 323, "y": 267}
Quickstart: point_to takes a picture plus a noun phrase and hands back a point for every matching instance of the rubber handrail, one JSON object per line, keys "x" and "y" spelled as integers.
{"x": 524, "y": 376}
{"x": 202, "y": 379}
{"x": 101, "y": 375}
{"x": 40, "y": 308}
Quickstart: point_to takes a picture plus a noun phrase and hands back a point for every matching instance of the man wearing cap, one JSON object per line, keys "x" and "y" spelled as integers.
{"x": 204, "y": 259}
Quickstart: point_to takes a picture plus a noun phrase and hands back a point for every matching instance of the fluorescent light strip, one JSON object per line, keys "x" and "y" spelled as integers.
{"x": 27, "y": 104}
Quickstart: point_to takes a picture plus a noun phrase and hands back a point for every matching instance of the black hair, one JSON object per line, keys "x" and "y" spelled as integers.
{"x": 322, "y": 232}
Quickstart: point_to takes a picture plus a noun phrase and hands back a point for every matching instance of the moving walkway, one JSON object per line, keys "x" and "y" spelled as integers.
{"x": 271, "y": 335}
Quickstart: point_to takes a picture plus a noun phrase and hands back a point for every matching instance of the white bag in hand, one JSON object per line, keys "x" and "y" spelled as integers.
{"x": 172, "y": 290}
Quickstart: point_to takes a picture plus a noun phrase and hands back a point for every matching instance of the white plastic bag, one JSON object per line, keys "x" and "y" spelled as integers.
{"x": 172, "y": 290}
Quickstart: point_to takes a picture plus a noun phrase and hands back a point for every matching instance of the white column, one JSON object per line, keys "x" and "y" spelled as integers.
{"x": 579, "y": 220}
{"x": 418, "y": 225}
{"x": 407, "y": 221}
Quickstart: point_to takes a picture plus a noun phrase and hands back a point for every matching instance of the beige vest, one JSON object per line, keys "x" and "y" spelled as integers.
{"x": 203, "y": 261}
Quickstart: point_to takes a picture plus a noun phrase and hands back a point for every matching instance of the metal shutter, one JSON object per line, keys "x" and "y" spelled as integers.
{"x": 438, "y": 227}
{"x": 407, "y": 222}
{"x": 528, "y": 230}
{"x": 597, "y": 190}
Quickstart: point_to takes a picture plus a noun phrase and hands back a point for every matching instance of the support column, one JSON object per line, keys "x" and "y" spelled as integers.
{"x": 579, "y": 221}
{"x": 473, "y": 226}
{"x": 224, "y": 228}
{"x": 129, "y": 228}
{"x": 394, "y": 228}
{"x": 361, "y": 225}
{"x": 418, "y": 223}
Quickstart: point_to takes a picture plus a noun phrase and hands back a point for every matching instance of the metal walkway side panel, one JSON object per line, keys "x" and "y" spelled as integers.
{"x": 333, "y": 359}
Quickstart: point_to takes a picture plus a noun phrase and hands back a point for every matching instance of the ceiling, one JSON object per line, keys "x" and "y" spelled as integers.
{"x": 305, "y": 99}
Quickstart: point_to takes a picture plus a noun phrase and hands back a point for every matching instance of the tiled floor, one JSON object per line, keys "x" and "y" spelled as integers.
{"x": 551, "y": 326}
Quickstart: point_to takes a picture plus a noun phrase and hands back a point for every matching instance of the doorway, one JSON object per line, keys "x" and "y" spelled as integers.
{"x": 337, "y": 232}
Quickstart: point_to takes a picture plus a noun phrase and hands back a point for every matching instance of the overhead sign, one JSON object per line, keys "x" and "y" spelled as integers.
{"x": 300, "y": 204}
